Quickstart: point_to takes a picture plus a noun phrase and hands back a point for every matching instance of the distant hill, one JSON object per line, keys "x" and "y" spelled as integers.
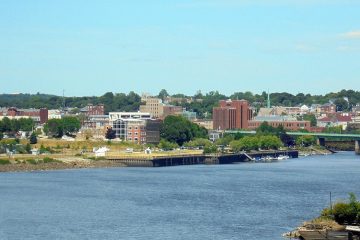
{"x": 344, "y": 100}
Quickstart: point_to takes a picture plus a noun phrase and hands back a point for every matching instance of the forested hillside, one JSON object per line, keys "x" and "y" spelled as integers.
{"x": 344, "y": 99}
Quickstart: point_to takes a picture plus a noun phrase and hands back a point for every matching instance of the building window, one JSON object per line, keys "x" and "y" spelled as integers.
{"x": 129, "y": 133}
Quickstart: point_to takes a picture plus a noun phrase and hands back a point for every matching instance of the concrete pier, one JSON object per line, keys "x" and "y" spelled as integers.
{"x": 357, "y": 147}
{"x": 321, "y": 142}
{"x": 168, "y": 161}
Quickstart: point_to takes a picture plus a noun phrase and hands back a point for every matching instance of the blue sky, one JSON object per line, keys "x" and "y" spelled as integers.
{"x": 89, "y": 47}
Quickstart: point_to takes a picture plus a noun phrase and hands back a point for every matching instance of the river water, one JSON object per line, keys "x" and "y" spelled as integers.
{"x": 240, "y": 201}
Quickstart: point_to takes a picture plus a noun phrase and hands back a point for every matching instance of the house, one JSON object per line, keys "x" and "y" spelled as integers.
{"x": 335, "y": 120}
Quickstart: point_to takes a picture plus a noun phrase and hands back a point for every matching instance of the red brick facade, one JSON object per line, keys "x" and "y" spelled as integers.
{"x": 232, "y": 114}
{"x": 95, "y": 110}
{"x": 288, "y": 125}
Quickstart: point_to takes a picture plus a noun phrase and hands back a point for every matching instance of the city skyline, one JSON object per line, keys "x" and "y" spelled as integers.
{"x": 90, "y": 48}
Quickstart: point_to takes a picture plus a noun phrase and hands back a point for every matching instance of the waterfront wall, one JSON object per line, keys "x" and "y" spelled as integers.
{"x": 202, "y": 159}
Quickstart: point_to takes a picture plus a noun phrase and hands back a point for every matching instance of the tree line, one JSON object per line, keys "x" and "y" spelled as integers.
{"x": 344, "y": 100}
{"x": 12, "y": 126}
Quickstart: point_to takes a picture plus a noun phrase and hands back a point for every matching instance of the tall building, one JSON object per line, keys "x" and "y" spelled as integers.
{"x": 152, "y": 105}
{"x": 135, "y": 127}
{"x": 232, "y": 114}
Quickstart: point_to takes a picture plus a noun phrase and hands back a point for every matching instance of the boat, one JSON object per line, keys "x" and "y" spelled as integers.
{"x": 282, "y": 157}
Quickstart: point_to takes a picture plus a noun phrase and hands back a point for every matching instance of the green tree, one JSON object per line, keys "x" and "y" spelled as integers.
{"x": 180, "y": 130}
{"x": 71, "y": 125}
{"x": 305, "y": 141}
{"x": 208, "y": 149}
{"x": 54, "y": 128}
{"x": 247, "y": 143}
{"x": 270, "y": 142}
{"x": 26, "y": 124}
{"x": 110, "y": 134}
{"x": 265, "y": 129}
{"x": 1, "y": 136}
{"x": 33, "y": 138}
{"x": 341, "y": 105}
{"x": 6, "y": 125}
{"x": 166, "y": 145}
{"x": 198, "y": 142}
{"x": 309, "y": 117}
{"x": 28, "y": 148}
{"x": 163, "y": 94}
{"x": 337, "y": 129}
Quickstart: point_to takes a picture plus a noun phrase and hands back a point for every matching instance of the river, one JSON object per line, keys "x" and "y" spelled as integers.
{"x": 241, "y": 201}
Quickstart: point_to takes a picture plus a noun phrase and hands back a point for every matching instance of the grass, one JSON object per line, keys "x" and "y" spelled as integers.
{"x": 44, "y": 160}
{"x": 32, "y": 161}
{"x": 96, "y": 158}
{"x": 3, "y": 162}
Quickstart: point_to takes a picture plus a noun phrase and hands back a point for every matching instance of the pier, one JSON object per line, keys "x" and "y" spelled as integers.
{"x": 178, "y": 160}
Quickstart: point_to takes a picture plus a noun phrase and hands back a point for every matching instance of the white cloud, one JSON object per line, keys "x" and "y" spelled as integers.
{"x": 345, "y": 48}
{"x": 352, "y": 35}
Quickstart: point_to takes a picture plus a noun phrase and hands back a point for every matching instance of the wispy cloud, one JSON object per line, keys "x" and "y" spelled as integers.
{"x": 305, "y": 48}
{"x": 351, "y": 35}
{"x": 350, "y": 49}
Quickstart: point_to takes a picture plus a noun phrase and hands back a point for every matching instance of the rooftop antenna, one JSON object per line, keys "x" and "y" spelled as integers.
{"x": 268, "y": 100}
{"x": 63, "y": 100}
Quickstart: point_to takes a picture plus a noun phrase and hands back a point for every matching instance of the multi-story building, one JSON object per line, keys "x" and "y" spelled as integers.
{"x": 152, "y": 105}
{"x": 208, "y": 124}
{"x": 135, "y": 127}
{"x": 91, "y": 110}
{"x": 39, "y": 116}
{"x": 231, "y": 114}
{"x": 328, "y": 108}
{"x": 96, "y": 121}
{"x": 171, "y": 110}
{"x": 289, "y": 123}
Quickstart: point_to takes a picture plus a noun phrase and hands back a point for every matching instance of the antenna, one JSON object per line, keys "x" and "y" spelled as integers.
{"x": 63, "y": 100}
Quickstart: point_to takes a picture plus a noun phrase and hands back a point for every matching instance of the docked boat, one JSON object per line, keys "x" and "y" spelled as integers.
{"x": 282, "y": 157}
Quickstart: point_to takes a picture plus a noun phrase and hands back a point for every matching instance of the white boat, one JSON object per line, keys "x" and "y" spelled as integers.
{"x": 282, "y": 157}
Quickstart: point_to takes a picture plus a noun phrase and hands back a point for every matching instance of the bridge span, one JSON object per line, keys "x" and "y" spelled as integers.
{"x": 320, "y": 136}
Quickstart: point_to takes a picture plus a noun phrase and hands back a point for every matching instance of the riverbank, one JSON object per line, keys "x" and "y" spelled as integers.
{"x": 69, "y": 163}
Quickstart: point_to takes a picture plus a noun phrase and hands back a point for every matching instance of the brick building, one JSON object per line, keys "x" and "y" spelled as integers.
{"x": 40, "y": 116}
{"x": 288, "y": 123}
{"x": 232, "y": 114}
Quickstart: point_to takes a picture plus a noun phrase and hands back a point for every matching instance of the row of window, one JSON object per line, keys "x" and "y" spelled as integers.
{"x": 136, "y": 128}
{"x": 142, "y": 133}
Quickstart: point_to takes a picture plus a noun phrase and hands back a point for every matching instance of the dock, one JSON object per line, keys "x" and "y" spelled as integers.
{"x": 178, "y": 160}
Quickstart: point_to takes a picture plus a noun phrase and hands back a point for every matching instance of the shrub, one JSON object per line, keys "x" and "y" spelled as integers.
{"x": 32, "y": 161}
{"x": 49, "y": 160}
{"x": 3, "y": 162}
{"x": 210, "y": 149}
{"x": 347, "y": 212}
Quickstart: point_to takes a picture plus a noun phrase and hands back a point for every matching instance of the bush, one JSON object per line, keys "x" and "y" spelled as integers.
{"x": 3, "y": 162}
{"x": 32, "y": 161}
{"x": 210, "y": 149}
{"x": 347, "y": 212}
{"x": 49, "y": 160}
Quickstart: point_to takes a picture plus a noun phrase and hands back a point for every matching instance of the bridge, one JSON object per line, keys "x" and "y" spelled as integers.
{"x": 320, "y": 136}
